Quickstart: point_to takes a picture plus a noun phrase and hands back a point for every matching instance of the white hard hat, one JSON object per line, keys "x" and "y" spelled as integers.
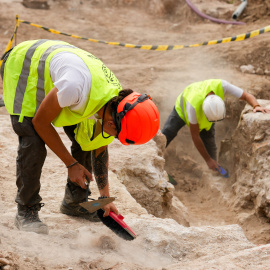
{"x": 214, "y": 108}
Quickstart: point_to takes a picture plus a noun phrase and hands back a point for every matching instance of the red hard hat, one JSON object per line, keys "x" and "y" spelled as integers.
{"x": 137, "y": 119}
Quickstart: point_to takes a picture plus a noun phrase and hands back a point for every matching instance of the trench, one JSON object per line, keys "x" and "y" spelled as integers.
{"x": 207, "y": 204}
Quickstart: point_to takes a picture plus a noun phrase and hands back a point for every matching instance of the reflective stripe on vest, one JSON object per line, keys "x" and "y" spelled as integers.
{"x": 41, "y": 71}
{"x": 182, "y": 108}
{"x": 22, "y": 83}
{"x": 21, "y": 86}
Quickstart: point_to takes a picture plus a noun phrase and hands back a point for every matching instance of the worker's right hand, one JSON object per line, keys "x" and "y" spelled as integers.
{"x": 110, "y": 208}
{"x": 212, "y": 164}
{"x": 79, "y": 175}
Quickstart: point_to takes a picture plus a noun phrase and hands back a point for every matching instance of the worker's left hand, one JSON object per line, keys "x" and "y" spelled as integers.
{"x": 261, "y": 109}
{"x": 110, "y": 207}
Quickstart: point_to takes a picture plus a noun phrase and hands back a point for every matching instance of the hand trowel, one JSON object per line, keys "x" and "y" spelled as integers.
{"x": 94, "y": 205}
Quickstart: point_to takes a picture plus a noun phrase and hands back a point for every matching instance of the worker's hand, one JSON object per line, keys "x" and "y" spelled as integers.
{"x": 212, "y": 164}
{"x": 79, "y": 175}
{"x": 260, "y": 109}
{"x": 109, "y": 207}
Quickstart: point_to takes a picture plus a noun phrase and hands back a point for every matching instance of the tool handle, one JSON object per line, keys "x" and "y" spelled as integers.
{"x": 223, "y": 172}
{"x": 87, "y": 191}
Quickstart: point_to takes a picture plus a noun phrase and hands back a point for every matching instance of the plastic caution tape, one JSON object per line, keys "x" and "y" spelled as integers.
{"x": 12, "y": 38}
{"x": 143, "y": 47}
{"x": 159, "y": 47}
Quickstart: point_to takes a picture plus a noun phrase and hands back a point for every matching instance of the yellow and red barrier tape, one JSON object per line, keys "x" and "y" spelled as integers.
{"x": 144, "y": 47}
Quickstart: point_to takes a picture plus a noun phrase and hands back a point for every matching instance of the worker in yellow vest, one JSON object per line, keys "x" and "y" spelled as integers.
{"x": 199, "y": 106}
{"x": 49, "y": 84}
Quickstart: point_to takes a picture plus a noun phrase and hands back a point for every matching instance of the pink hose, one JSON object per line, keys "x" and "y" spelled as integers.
{"x": 210, "y": 18}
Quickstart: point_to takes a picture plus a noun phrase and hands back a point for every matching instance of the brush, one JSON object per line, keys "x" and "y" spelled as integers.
{"x": 117, "y": 225}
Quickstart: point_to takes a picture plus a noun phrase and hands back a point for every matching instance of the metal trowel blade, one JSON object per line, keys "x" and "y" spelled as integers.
{"x": 92, "y": 206}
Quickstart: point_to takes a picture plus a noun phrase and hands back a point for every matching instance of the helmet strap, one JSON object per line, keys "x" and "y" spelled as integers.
{"x": 117, "y": 122}
{"x": 103, "y": 115}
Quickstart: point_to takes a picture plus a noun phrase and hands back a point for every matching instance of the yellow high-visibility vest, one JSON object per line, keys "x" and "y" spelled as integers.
{"x": 27, "y": 81}
{"x": 195, "y": 94}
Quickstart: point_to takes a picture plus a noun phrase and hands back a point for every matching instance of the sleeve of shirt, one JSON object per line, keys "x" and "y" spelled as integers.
{"x": 69, "y": 87}
{"x": 191, "y": 113}
{"x": 71, "y": 77}
{"x": 231, "y": 90}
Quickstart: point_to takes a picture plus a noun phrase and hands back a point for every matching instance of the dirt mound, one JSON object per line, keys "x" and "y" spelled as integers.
{"x": 180, "y": 11}
{"x": 256, "y": 10}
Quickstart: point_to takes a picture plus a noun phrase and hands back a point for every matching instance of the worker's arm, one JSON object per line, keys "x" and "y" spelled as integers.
{"x": 100, "y": 159}
{"x": 49, "y": 109}
{"x": 195, "y": 135}
{"x": 251, "y": 100}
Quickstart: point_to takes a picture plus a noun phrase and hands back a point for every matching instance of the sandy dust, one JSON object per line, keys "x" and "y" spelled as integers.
{"x": 161, "y": 74}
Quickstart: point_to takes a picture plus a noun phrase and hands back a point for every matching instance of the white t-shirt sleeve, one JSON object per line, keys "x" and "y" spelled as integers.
{"x": 72, "y": 78}
{"x": 191, "y": 113}
{"x": 231, "y": 90}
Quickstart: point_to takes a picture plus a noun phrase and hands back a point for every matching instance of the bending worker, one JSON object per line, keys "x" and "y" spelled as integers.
{"x": 49, "y": 83}
{"x": 199, "y": 106}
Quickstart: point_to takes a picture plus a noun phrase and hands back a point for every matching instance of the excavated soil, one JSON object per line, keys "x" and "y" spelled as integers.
{"x": 162, "y": 74}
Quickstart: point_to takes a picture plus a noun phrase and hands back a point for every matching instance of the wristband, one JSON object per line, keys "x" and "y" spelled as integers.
{"x": 69, "y": 166}
{"x": 256, "y": 106}
{"x": 103, "y": 197}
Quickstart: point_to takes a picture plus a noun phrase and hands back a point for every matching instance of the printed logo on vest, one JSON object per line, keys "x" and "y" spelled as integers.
{"x": 110, "y": 77}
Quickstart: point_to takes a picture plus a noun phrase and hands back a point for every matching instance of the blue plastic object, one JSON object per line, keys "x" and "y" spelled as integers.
{"x": 223, "y": 172}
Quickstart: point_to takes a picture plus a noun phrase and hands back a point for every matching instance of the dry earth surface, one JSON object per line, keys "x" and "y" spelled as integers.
{"x": 72, "y": 243}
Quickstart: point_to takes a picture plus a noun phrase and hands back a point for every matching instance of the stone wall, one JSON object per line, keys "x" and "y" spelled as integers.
{"x": 141, "y": 169}
{"x": 246, "y": 155}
